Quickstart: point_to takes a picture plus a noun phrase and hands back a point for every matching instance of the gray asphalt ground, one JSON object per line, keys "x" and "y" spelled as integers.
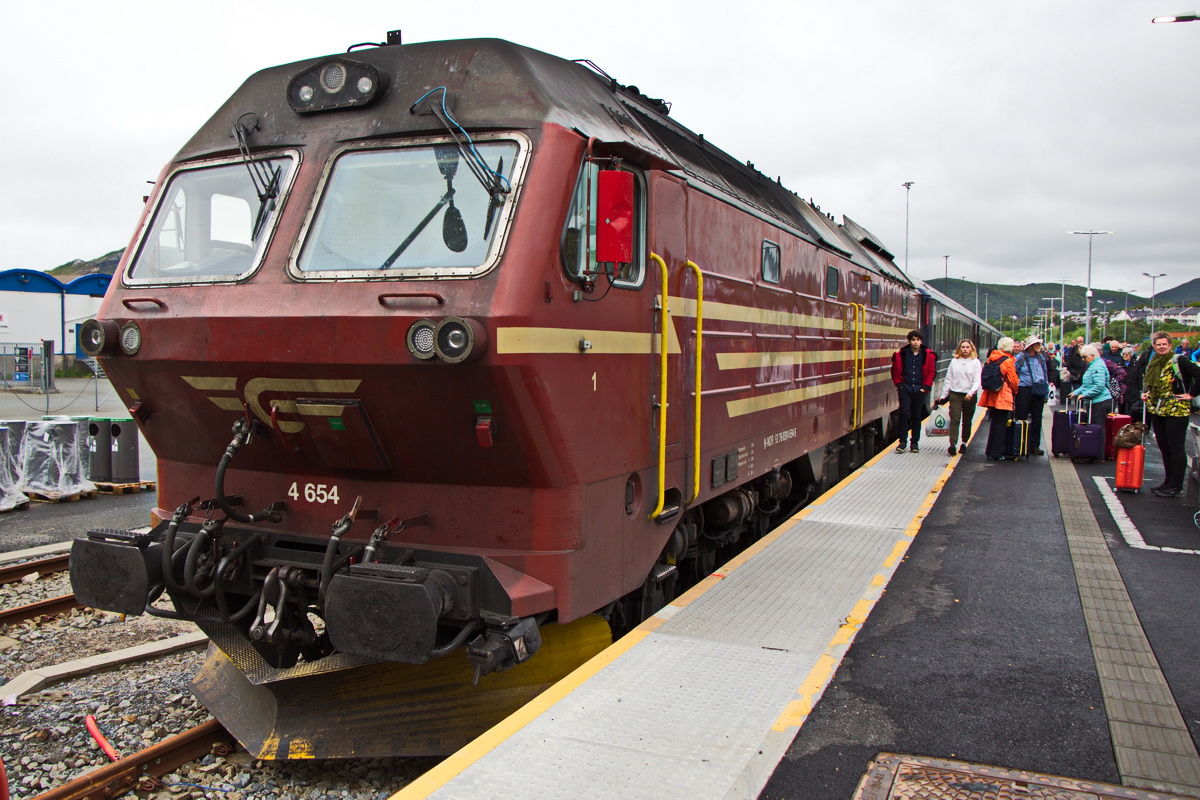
{"x": 48, "y": 523}
{"x": 978, "y": 650}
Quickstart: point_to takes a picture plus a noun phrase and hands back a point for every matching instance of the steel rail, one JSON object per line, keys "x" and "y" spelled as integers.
{"x": 43, "y": 608}
{"x": 11, "y": 573}
{"x": 144, "y": 767}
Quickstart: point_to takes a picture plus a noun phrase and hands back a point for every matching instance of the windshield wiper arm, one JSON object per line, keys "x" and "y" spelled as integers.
{"x": 264, "y": 176}
{"x": 446, "y": 198}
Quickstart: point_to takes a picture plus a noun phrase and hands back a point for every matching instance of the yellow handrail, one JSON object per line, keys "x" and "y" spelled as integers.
{"x": 664, "y": 320}
{"x": 858, "y": 365}
{"x": 699, "y": 373}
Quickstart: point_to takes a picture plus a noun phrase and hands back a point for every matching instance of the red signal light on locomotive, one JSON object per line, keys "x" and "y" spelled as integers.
{"x": 457, "y": 339}
{"x": 98, "y": 337}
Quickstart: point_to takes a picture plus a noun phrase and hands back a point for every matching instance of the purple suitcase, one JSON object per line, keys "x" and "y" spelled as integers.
{"x": 1087, "y": 440}
{"x": 1063, "y": 420}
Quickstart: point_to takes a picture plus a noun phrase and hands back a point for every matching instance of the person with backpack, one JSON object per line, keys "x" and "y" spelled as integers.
{"x": 999, "y": 380}
{"x": 1033, "y": 387}
{"x": 1169, "y": 406}
{"x": 1073, "y": 364}
{"x": 914, "y": 368}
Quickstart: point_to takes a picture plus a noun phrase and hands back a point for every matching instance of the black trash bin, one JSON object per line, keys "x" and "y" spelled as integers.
{"x": 124, "y": 451}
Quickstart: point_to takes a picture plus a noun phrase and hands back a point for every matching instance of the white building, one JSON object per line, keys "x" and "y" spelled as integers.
{"x": 35, "y": 306}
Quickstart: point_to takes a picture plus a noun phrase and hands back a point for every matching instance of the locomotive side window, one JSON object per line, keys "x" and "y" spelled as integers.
{"x": 770, "y": 261}
{"x": 212, "y": 223}
{"x": 832, "y": 279}
{"x": 411, "y": 211}
{"x": 579, "y": 234}
{"x": 874, "y": 295}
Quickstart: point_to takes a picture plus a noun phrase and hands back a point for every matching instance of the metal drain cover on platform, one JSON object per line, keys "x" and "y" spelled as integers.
{"x": 895, "y": 777}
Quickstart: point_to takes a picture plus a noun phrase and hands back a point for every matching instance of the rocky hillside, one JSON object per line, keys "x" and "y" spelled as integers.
{"x": 106, "y": 263}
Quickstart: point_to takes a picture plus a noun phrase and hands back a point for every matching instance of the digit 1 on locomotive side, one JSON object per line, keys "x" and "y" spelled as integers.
{"x": 457, "y": 359}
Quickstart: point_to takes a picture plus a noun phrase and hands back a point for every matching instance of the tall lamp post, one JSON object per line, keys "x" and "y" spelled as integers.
{"x": 1050, "y": 326}
{"x": 1088, "y": 311}
{"x": 1153, "y": 278}
{"x": 907, "y": 189}
{"x": 947, "y": 278}
{"x": 1104, "y": 320}
{"x": 1125, "y": 332}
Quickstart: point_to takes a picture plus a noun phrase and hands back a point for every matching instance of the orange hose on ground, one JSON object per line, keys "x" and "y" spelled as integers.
{"x": 94, "y": 730}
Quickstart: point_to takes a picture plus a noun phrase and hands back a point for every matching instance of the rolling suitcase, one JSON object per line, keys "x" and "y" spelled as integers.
{"x": 1131, "y": 468}
{"x": 1061, "y": 423}
{"x": 1087, "y": 439}
{"x": 1112, "y": 424}
{"x": 1018, "y": 439}
{"x": 1131, "y": 461}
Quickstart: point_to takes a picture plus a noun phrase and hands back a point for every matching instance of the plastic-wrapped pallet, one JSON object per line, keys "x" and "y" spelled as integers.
{"x": 16, "y": 443}
{"x": 10, "y": 496}
{"x": 53, "y": 460}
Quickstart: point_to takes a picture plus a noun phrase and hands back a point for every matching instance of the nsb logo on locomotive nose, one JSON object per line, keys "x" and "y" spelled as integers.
{"x": 255, "y": 389}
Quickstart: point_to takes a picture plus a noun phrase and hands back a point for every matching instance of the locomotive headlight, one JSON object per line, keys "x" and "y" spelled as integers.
{"x": 131, "y": 338}
{"x": 98, "y": 337}
{"x": 457, "y": 339}
{"x": 334, "y": 83}
{"x": 421, "y": 339}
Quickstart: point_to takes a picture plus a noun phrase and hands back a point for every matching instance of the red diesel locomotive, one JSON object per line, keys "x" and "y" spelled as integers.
{"x": 444, "y": 346}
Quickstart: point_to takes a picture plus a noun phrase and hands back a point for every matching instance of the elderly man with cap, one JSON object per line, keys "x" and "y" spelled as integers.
{"x": 1033, "y": 388}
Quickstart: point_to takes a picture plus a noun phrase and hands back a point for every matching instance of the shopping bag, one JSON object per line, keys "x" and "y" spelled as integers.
{"x": 938, "y": 424}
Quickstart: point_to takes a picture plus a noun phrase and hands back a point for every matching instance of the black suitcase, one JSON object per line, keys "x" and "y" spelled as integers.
{"x": 1018, "y": 439}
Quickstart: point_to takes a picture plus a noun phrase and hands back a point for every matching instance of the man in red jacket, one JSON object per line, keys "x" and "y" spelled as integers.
{"x": 913, "y": 371}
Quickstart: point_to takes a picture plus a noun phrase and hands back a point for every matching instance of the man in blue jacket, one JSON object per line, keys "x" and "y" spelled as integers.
{"x": 914, "y": 368}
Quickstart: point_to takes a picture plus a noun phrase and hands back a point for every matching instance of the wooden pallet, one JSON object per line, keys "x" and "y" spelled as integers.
{"x": 125, "y": 488}
{"x": 56, "y": 497}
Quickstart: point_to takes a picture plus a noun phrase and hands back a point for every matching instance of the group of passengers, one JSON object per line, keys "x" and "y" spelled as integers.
{"x": 1108, "y": 375}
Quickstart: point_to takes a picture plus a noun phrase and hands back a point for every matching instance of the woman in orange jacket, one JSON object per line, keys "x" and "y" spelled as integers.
{"x": 1000, "y": 402}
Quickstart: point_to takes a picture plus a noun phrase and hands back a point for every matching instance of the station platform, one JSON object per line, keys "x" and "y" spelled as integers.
{"x": 933, "y": 626}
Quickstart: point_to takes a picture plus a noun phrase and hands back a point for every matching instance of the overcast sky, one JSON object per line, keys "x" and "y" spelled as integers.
{"x": 1016, "y": 121}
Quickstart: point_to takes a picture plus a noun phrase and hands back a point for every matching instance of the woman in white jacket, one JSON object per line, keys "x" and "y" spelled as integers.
{"x": 961, "y": 388}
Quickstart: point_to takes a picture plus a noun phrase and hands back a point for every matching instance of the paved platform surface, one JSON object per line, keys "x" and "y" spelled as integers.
{"x": 950, "y": 617}
{"x": 1041, "y": 622}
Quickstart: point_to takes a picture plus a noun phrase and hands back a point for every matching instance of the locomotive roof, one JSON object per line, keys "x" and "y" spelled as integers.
{"x": 492, "y": 84}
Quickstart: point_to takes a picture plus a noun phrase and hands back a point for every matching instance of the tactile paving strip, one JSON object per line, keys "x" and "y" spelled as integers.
{"x": 1152, "y": 745}
{"x": 896, "y": 777}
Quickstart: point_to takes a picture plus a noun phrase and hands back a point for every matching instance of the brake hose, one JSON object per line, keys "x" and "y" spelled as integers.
{"x": 242, "y": 433}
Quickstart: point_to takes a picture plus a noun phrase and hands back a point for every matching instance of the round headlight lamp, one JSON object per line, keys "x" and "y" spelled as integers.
{"x": 98, "y": 337}
{"x": 457, "y": 340}
{"x": 131, "y": 338}
{"x": 421, "y": 339}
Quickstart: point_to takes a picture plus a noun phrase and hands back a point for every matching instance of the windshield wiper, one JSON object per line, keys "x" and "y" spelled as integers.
{"x": 492, "y": 181}
{"x": 454, "y": 230}
{"x": 264, "y": 176}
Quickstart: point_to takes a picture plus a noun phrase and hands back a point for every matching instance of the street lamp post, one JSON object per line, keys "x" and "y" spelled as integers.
{"x": 947, "y": 278}
{"x": 1153, "y": 278}
{"x": 1050, "y": 326}
{"x": 1104, "y": 318}
{"x": 1088, "y": 312}
{"x": 1125, "y": 322}
{"x": 907, "y": 189}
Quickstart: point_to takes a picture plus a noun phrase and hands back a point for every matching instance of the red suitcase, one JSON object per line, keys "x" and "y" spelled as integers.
{"x": 1112, "y": 424}
{"x": 1131, "y": 468}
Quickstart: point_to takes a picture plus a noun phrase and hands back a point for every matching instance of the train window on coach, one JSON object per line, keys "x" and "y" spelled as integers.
{"x": 832, "y": 279}
{"x": 770, "y": 261}
{"x": 211, "y": 223}
{"x": 578, "y": 245}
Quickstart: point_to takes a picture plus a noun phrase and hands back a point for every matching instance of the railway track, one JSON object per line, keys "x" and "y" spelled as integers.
{"x": 11, "y": 573}
{"x": 142, "y": 770}
{"x": 50, "y": 607}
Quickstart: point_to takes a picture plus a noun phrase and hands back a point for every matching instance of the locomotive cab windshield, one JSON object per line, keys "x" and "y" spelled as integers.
{"x": 380, "y": 207}
{"x": 212, "y": 223}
